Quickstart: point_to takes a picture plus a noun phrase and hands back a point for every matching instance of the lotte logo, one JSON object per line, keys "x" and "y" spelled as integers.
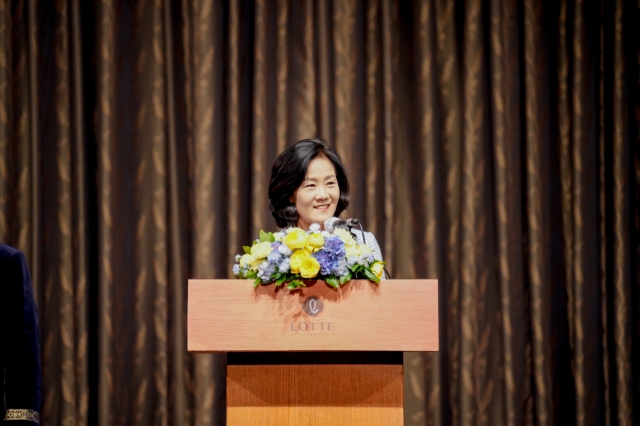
{"x": 312, "y": 306}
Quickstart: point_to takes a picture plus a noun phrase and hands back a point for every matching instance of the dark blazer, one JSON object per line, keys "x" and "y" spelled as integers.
{"x": 19, "y": 341}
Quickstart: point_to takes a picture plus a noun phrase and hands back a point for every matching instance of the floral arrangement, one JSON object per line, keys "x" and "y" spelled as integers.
{"x": 293, "y": 255}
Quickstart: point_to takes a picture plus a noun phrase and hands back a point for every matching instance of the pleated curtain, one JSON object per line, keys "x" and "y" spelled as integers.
{"x": 492, "y": 144}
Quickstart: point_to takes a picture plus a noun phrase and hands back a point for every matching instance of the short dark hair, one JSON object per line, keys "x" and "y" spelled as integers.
{"x": 290, "y": 169}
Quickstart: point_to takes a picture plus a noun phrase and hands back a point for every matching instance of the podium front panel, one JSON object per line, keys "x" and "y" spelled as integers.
{"x": 230, "y": 316}
{"x": 314, "y": 388}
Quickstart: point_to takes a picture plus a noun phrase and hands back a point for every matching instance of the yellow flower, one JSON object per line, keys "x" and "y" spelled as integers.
{"x": 344, "y": 235}
{"x": 362, "y": 250}
{"x": 316, "y": 241}
{"x": 255, "y": 263}
{"x": 295, "y": 239}
{"x": 309, "y": 267}
{"x": 296, "y": 260}
{"x": 261, "y": 250}
{"x": 349, "y": 250}
{"x": 246, "y": 258}
{"x": 377, "y": 269}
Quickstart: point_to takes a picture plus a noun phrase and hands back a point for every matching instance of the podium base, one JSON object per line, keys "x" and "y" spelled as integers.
{"x": 311, "y": 388}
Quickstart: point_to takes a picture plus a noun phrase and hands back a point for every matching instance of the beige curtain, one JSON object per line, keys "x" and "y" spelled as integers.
{"x": 492, "y": 144}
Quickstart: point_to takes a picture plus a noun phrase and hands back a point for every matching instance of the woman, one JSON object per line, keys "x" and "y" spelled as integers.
{"x": 309, "y": 185}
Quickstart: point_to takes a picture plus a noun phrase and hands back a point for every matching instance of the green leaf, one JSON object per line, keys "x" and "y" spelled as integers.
{"x": 295, "y": 284}
{"x": 246, "y": 249}
{"x": 345, "y": 278}
{"x": 371, "y": 276}
{"x": 251, "y": 275}
{"x": 256, "y": 283}
{"x": 281, "y": 280}
{"x": 265, "y": 236}
{"x": 332, "y": 281}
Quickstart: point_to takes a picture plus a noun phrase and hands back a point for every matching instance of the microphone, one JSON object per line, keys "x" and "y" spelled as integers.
{"x": 334, "y": 222}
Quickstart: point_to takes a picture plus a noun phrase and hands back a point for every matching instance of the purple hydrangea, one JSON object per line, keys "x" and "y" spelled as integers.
{"x": 330, "y": 255}
{"x": 327, "y": 262}
{"x": 335, "y": 247}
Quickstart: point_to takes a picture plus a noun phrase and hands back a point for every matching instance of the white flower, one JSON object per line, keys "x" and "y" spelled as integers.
{"x": 284, "y": 250}
{"x": 363, "y": 259}
{"x": 342, "y": 268}
{"x": 238, "y": 257}
{"x": 314, "y": 227}
{"x": 236, "y": 269}
{"x": 284, "y": 266}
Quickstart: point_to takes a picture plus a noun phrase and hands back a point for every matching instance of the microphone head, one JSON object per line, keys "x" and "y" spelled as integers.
{"x": 328, "y": 224}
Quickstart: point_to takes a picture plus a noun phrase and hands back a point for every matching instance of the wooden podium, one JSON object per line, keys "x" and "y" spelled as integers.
{"x": 315, "y": 355}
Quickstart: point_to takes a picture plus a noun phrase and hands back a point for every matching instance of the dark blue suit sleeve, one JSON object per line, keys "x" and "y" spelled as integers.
{"x": 21, "y": 341}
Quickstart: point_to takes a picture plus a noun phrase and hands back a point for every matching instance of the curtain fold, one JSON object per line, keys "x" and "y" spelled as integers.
{"x": 492, "y": 144}
{"x": 538, "y": 201}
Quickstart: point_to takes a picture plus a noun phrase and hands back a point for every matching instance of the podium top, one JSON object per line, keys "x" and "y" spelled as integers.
{"x": 230, "y": 316}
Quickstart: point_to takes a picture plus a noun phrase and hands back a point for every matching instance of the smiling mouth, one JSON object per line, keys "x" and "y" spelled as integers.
{"x": 322, "y": 207}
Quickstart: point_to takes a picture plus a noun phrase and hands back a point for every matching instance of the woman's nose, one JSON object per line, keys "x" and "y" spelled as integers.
{"x": 322, "y": 193}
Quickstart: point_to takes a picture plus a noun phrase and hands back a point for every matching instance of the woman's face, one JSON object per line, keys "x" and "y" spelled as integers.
{"x": 317, "y": 197}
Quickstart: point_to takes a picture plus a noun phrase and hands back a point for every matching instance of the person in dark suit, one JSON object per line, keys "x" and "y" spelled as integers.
{"x": 19, "y": 341}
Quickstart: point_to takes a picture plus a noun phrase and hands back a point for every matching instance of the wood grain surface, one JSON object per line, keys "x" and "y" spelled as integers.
{"x": 229, "y": 315}
{"x": 314, "y": 394}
